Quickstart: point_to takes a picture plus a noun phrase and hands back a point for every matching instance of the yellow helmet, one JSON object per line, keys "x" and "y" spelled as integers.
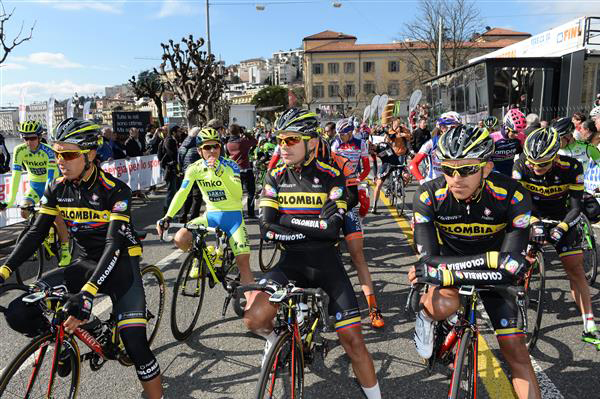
{"x": 31, "y": 129}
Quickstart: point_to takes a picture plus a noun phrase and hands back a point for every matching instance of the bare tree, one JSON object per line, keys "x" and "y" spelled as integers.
{"x": 461, "y": 21}
{"x": 148, "y": 84}
{"x": 194, "y": 77}
{"x": 7, "y": 44}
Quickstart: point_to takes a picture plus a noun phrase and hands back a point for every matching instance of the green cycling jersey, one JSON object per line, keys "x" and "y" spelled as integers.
{"x": 220, "y": 185}
{"x": 39, "y": 164}
{"x": 582, "y": 151}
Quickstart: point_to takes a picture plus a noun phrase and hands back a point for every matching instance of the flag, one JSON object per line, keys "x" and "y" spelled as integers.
{"x": 22, "y": 108}
{"x": 50, "y": 116}
{"x": 70, "y": 108}
{"x": 86, "y": 108}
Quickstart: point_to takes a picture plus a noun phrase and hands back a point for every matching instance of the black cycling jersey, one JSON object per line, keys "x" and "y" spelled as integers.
{"x": 557, "y": 194}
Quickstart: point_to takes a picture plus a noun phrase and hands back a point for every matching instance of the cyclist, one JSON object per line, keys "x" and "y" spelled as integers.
{"x": 586, "y": 153}
{"x": 351, "y": 156}
{"x": 428, "y": 150}
{"x": 556, "y": 186}
{"x": 219, "y": 180}
{"x": 39, "y": 161}
{"x": 471, "y": 228}
{"x": 302, "y": 206}
{"x": 97, "y": 209}
{"x": 397, "y": 138}
{"x": 508, "y": 141}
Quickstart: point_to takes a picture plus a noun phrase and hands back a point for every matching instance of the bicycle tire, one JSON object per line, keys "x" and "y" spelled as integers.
{"x": 401, "y": 193}
{"x": 590, "y": 250}
{"x": 43, "y": 343}
{"x": 40, "y": 259}
{"x": 160, "y": 279}
{"x": 181, "y": 334}
{"x": 535, "y": 302}
{"x": 278, "y": 360}
{"x": 463, "y": 384}
{"x": 267, "y": 253}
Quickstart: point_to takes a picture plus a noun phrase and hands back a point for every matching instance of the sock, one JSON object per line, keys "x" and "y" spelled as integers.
{"x": 371, "y": 301}
{"x": 588, "y": 322}
{"x": 373, "y": 392}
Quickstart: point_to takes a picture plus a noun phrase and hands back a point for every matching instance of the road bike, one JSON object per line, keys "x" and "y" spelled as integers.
{"x": 301, "y": 318}
{"x": 455, "y": 344}
{"x": 395, "y": 188}
{"x": 49, "y": 366}
{"x": 204, "y": 263}
{"x": 589, "y": 247}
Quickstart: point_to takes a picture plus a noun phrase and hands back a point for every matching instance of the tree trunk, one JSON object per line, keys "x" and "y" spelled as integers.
{"x": 161, "y": 117}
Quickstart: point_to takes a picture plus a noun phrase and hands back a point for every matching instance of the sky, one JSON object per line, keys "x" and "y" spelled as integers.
{"x": 83, "y": 46}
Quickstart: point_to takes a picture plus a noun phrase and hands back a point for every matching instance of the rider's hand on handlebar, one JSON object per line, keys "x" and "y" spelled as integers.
{"x": 79, "y": 309}
{"x": 162, "y": 225}
{"x": 555, "y": 235}
{"x": 4, "y": 274}
{"x": 425, "y": 274}
{"x": 538, "y": 233}
{"x": 513, "y": 263}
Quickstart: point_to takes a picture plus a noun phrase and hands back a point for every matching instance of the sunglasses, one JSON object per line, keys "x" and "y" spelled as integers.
{"x": 290, "y": 140}
{"x": 462, "y": 170}
{"x": 70, "y": 155}
{"x": 542, "y": 164}
{"x": 30, "y": 138}
{"x": 210, "y": 147}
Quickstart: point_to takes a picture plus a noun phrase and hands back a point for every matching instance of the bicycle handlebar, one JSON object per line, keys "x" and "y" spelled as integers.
{"x": 191, "y": 227}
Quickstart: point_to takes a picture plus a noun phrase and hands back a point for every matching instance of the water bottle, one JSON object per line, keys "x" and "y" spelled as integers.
{"x": 304, "y": 308}
{"x": 211, "y": 254}
{"x": 299, "y": 316}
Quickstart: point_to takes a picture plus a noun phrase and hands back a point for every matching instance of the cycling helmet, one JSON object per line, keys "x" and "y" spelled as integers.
{"x": 542, "y": 143}
{"x": 207, "y": 134}
{"x": 344, "y": 126}
{"x": 515, "y": 120}
{"x": 563, "y": 126}
{"x": 31, "y": 129}
{"x": 85, "y": 134}
{"x": 298, "y": 120}
{"x": 595, "y": 112}
{"x": 27, "y": 203}
{"x": 449, "y": 118}
{"x": 464, "y": 142}
{"x": 490, "y": 122}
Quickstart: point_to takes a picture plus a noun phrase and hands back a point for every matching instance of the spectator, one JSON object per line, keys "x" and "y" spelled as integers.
{"x": 188, "y": 154}
{"x": 4, "y": 157}
{"x": 420, "y": 136}
{"x": 330, "y": 131}
{"x": 134, "y": 146}
{"x": 118, "y": 146}
{"x": 589, "y": 133}
{"x": 105, "y": 152}
{"x": 239, "y": 147}
{"x": 544, "y": 124}
{"x": 533, "y": 122}
{"x": 153, "y": 139}
{"x": 577, "y": 119}
{"x": 167, "y": 156}
{"x": 218, "y": 126}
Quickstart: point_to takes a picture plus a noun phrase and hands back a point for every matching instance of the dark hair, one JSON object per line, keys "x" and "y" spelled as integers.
{"x": 330, "y": 125}
{"x": 590, "y": 125}
{"x": 579, "y": 116}
{"x": 235, "y": 130}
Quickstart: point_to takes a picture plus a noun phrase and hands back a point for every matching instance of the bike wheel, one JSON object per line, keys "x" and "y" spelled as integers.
{"x": 39, "y": 254}
{"x": 535, "y": 283}
{"x": 268, "y": 252}
{"x": 282, "y": 375}
{"x": 401, "y": 194}
{"x": 188, "y": 294}
{"x": 28, "y": 375}
{"x": 154, "y": 291}
{"x": 590, "y": 254}
{"x": 463, "y": 384}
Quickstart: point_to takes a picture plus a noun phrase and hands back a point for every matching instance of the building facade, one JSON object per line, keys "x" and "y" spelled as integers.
{"x": 9, "y": 120}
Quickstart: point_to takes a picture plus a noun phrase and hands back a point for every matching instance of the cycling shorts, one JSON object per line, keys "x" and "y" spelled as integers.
{"x": 232, "y": 223}
{"x": 321, "y": 269}
{"x": 36, "y": 191}
{"x": 352, "y": 227}
{"x": 386, "y": 167}
{"x": 503, "y": 311}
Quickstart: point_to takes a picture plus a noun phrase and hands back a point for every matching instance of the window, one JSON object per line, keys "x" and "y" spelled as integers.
{"x": 348, "y": 67}
{"x": 333, "y": 89}
{"x": 318, "y": 91}
{"x": 349, "y": 90}
{"x": 317, "y": 69}
{"x": 333, "y": 68}
{"x": 368, "y": 66}
{"x": 394, "y": 66}
{"x": 369, "y": 87}
{"x": 394, "y": 88}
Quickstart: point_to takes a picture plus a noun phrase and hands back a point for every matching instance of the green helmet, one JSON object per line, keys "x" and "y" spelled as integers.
{"x": 31, "y": 129}
{"x": 207, "y": 134}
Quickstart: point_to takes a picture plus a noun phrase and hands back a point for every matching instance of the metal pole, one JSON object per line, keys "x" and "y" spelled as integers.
{"x": 208, "y": 29}
{"x": 440, "y": 43}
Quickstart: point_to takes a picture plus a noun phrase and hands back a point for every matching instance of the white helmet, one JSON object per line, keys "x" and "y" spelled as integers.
{"x": 595, "y": 112}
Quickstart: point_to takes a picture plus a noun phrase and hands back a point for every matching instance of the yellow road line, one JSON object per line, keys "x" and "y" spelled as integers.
{"x": 491, "y": 373}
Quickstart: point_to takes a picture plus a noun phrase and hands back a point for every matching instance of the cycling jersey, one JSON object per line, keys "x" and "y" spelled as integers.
{"x": 505, "y": 150}
{"x": 40, "y": 166}
{"x": 582, "y": 151}
{"x": 427, "y": 151}
{"x": 464, "y": 238}
{"x": 557, "y": 194}
{"x": 352, "y": 158}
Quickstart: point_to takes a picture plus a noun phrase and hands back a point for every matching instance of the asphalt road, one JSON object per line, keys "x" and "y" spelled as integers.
{"x": 221, "y": 359}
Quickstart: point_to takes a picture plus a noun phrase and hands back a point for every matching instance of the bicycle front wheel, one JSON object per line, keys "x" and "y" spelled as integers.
{"x": 154, "y": 290}
{"x": 30, "y": 372}
{"x": 39, "y": 254}
{"x": 590, "y": 254}
{"x": 188, "y": 294}
{"x": 535, "y": 284}
{"x": 282, "y": 375}
{"x": 463, "y": 383}
{"x": 400, "y": 193}
{"x": 267, "y": 254}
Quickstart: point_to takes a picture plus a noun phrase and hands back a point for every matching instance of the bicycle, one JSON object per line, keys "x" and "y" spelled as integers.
{"x": 457, "y": 344}
{"x": 301, "y": 318}
{"x": 590, "y": 249}
{"x": 395, "y": 188}
{"x": 202, "y": 265}
{"x": 37, "y": 367}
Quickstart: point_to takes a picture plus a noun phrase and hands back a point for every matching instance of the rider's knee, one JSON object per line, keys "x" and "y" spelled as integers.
{"x": 183, "y": 239}
{"x": 515, "y": 351}
{"x": 441, "y": 303}
{"x": 258, "y": 316}
{"x": 353, "y": 342}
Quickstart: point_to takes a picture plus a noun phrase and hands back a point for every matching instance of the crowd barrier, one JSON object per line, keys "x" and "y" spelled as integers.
{"x": 139, "y": 173}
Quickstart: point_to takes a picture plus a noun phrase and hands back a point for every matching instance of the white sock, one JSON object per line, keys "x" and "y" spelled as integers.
{"x": 373, "y": 392}
{"x": 588, "y": 322}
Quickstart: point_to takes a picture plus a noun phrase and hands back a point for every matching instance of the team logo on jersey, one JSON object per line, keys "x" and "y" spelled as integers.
{"x": 516, "y": 175}
{"x": 504, "y": 323}
{"x": 432, "y": 272}
{"x": 421, "y": 218}
{"x": 119, "y": 206}
{"x": 316, "y": 180}
{"x": 336, "y": 193}
{"x": 511, "y": 266}
{"x": 579, "y": 179}
{"x": 522, "y": 221}
{"x": 269, "y": 191}
{"x": 95, "y": 197}
{"x": 44, "y": 200}
{"x": 270, "y": 235}
{"x": 487, "y": 212}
